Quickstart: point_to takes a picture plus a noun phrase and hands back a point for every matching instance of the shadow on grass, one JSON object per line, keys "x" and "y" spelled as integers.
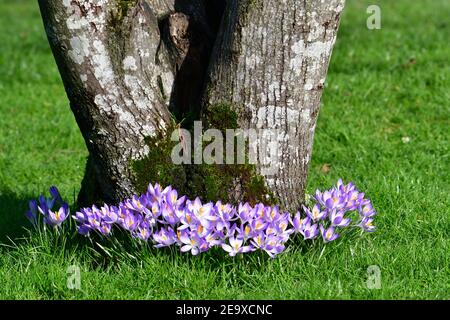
{"x": 12, "y": 216}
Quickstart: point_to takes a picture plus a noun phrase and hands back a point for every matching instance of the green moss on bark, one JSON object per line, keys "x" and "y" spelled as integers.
{"x": 210, "y": 182}
{"x": 157, "y": 166}
{"x": 124, "y": 5}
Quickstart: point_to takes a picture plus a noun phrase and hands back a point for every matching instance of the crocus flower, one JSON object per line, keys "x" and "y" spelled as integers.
{"x": 83, "y": 229}
{"x": 55, "y": 194}
{"x": 109, "y": 214}
{"x": 143, "y": 231}
{"x": 214, "y": 238}
{"x": 154, "y": 193}
{"x": 328, "y": 234}
{"x": 32, "y": 213}
{"x": 172, "y": 199}
{"x": 55, "y": 218}
{"x": 258, "y": 224}
{"x": 282, "y": 230}
{"x": 299, "y": 223}
{"x": 272, "y": 214}
{"x": 131, "y": 220}
{"x": 201, "y": 230}
{"x": 367, "y": 210}
{"x": 338, "y": 220}
{"x": 315, "y": 214}
{"x": 309, "y": 231}
{"x": 259, "y": 241}
{"x": 138, "y": 204}
{"x": 192, "y": 242}
{"x": 203, "y": 212}
{"x": 188, "y": 220}
{"x": 165, "y": 237}
{"x": 244, "y": 212}
{"x": 169, "y": 215}
{"x": 367, "y": 224}
{"x": 274, "y": 245}
{"x": 95, "y": 220}
{"x": 333, "y": 200}
{"x": 235, "y": 246}
{"x": 45, "y": 204}
{"x": 83, "y": 215}
{"x": 225, "y": 215}
{"x": 345, "y": 188}
{"x": 269, "y": 243}
{"x": 245, "y": 231}
{"x": 105, "y": 228}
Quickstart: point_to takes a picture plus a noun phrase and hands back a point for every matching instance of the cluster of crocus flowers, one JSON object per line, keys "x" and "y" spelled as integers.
{"x": 44, "y": 207}
{"x": 163, "y": 218}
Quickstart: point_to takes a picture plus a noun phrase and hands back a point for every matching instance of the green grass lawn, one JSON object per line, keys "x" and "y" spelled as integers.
{"x": 384, "y": 87}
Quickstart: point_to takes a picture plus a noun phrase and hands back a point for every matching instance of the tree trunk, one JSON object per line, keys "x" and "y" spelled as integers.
{"x": 133, "y": 68}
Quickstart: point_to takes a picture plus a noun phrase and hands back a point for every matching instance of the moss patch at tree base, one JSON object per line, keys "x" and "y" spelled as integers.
{"x": 210, "y": 182}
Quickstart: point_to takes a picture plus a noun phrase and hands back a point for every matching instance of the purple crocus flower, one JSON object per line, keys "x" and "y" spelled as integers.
{"x": 354, "y": 198}
{"x": 154, "y": 193}
{"x": 55, "y": 194}
{"x": 259, "y": 241}
{"x": 299, "y": 223}
{"x": 83, "y": 229}
{"x": 281, "y": 227}
{"x": 172, "y": 199}
{"x": 214, "y": 238}
{"x": 367, "y": 224}
{"x": 328, "y": 234}
{"x": 95, "y": 220}
{"x": 192, "y": 242}
{"x": 259, "y": 211}
{"x": 139, "y": 204}
{"x": 345, "y": 188}
{"x": 105, "y": 228}
{"x": 309, "y": 231}
{"x": 225, "y": 214}
{"x": 55, "y": 218}
{"x": 169, "y": 215}
{"x": 200, "y": 230}
{"x": 245, "y": 231}
{"x": 367, "y": 211}
{"x": 45, "y": 204}
{"x": 109, "y": 214}
{"x": 315, "y": 214}
{"x": 333, "y": 200}
{"x": 143, "y": 231}
{"x": 203, "y": 212}
{"x": 235, "y": 246}
{"x": 188, "y": 220}
{"x": 52, "y": 217}
{"x": 131, "y": 220}
{"x": 271, "y": 244}
{"x": 272, "y": 214}
{"x": 244, "y": 212}
{"x": 32, "y": 213}
{"x": 83, "y": 215}
{"x": 165, "y": 237}
{"x": 271, "y": 229}
{"x": 196, "y": 227}
{"x": 338, "y": 220}
{"x": 258, "y": 225}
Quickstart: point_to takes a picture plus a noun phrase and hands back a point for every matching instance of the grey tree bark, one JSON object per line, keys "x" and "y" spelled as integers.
{"x": 130, "y": 66}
